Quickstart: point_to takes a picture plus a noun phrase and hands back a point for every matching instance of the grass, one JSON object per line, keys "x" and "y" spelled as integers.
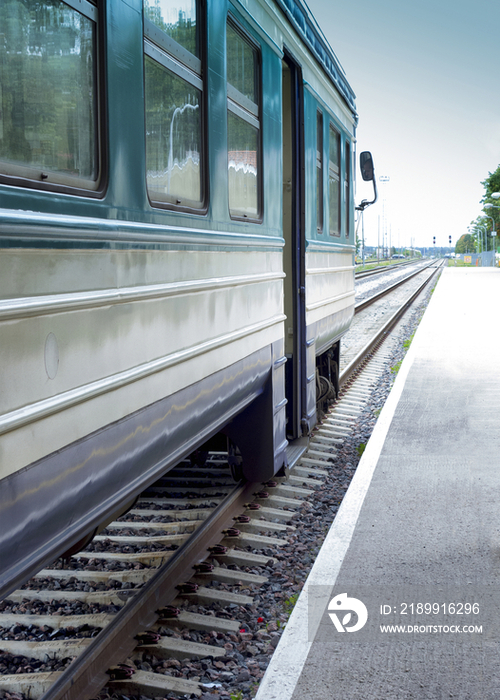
{"x": 396, "y": 367}
{"x": 406, "y": 345}
{"x": 289, "y": 603}
{"x": 460, "y": 263}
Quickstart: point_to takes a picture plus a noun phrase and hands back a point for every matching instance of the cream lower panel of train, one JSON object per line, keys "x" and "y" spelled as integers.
{"x": 329, "y": 292}
{"x": 111, "y": 332}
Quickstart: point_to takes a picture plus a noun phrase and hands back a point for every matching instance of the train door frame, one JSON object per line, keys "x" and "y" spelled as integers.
{"x": 294, "y": 252}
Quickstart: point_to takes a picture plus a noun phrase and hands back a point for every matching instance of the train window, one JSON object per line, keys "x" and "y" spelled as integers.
{"x": 242, "y": 65}
{"x": 334, "y": 181}
{"x": 319, "y": 172}
{"x": 243, "y": 124}
{"x": 347, "y": 188}
{"x": 173, "y": 104}
{"x": 176, "y": 20}
{"x": 48, "y": 93}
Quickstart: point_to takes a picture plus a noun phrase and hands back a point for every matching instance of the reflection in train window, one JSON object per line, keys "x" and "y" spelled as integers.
{"x": 319, "y": 172}
{"x": 177, "y": 20}
{"x": 241, "y": 65}
{"x": 243, "y": 125}
{"x": 173, "y": 137}
{"x": 48, "y": 92}
{"x": 347, "y": 190}
{"x": 334, "y": 182}
{"x": 174, "y": 104}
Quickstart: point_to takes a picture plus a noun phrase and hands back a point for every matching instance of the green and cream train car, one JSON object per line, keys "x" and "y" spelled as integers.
{"x": 176, "y": 263}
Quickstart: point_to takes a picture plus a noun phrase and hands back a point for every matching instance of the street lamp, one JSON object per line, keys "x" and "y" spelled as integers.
{"x": 476, "y": 227}
{"x": 491, "y": 206}
{"x": 483, "y": 239}
{"x": 493, "y": 230}
{"x": 473, "y": 231}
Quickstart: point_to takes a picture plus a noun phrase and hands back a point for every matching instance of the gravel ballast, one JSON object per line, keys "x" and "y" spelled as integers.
{"x": 236, "y": 675}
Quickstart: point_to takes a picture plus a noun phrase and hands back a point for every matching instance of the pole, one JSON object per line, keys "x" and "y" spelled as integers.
{"x": 363, "y": 236}
{"x": 378, "y": 241}
{"x": 493, "y": 232}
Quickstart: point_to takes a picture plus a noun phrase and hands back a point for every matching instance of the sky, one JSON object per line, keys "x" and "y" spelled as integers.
{"x": 426, "y": 74}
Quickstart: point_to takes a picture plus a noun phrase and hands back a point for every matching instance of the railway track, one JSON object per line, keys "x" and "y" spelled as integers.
{"x": 195, "y": 541}
{"x": 177, "y": 509}
{"x": 375, "y": 316}
{"x": 383, "y": 268}
{"x": 390, "y": 286}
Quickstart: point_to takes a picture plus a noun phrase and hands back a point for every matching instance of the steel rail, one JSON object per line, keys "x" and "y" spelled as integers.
{"x": 85, "y": 677}
{"x": 368, "y": 302}
{"x": 383, "y": 268}
{"x": 357, "y": 361}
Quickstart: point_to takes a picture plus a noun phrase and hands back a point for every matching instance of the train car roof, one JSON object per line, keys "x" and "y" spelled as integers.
{"x": 304, "y": 22}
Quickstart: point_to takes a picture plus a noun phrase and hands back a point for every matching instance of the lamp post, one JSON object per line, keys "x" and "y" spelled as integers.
{"x": 483, "y": 239}
{"x": 476, "y": 228}
{"x": 493, "y": 233}
{"x": 384, "y": 179}
{"x": 493, "y": 230}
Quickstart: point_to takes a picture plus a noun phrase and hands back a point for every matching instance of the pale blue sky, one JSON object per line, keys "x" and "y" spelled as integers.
{"x": 426, "y": 78}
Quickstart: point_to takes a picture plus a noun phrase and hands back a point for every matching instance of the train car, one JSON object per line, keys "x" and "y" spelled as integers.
{"x": 176, "y": 231}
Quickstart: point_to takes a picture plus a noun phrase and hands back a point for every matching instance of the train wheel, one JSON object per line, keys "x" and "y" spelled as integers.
{"x": 235, "y": 461}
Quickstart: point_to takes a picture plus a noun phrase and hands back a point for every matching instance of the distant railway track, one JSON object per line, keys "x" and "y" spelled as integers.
{"x": 377, "y": 331}
{"x": 383, "y": 268}
{"x": 391, "y": 287}
{"x": 153, "y": 588}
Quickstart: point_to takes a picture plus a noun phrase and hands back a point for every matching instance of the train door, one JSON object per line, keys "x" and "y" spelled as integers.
{"x": 294, "y": 252}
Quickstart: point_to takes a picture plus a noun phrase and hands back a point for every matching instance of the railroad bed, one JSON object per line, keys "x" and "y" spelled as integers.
{"x": 415, "y": 541}
{"x": 226, "y": 630}
{"x": 376, "y": 312}
{"x": 369, "y": 284}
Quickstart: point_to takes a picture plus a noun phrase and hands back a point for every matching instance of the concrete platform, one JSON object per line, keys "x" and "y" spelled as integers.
{"x": 416, "y": 542}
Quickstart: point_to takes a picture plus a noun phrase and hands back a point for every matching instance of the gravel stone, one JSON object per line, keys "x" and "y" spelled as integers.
{"x": 248, "y": 652}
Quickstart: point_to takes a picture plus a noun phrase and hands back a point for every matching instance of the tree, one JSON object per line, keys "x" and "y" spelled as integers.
{"x": 465, "y": 244}
{"x": 491, "y": 184}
